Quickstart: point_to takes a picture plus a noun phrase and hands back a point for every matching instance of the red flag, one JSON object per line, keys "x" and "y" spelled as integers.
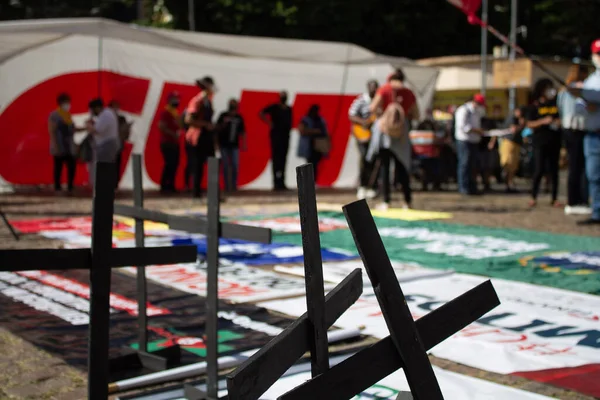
{"x": 469, "y": 7}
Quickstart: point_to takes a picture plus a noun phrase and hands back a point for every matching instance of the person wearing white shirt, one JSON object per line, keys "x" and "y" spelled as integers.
{"x": 468, "y": 135}
{"x": 105, "y": 131}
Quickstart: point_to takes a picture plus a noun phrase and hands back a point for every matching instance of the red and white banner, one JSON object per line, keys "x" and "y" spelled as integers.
{"x": 141, "y": 76}
{"x": 534, "y": 329}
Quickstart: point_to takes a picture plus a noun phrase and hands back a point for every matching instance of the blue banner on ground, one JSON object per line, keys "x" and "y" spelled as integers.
{"x": 251, "y": 253}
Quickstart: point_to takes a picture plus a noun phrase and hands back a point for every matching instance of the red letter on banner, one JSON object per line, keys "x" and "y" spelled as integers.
{"x": 24, "y": 155}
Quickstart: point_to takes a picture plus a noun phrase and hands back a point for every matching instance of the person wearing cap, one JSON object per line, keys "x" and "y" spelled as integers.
{"x": 200, "y": 133}
{"x": 468, "y": 132}
{"x": 589, "y": 105}
{"x": 387, "y": 149}
{"x": 169, "y": 127}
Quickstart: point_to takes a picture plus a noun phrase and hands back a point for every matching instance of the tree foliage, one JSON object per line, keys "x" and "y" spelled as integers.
{"x": 409, "y": 28}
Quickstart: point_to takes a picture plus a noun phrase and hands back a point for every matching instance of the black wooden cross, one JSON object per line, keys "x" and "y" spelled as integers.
{"x": 213, "y": 228}
{"x": 309, "y": 332}
{"x": 99, "y": 259}
{"x": 408, "y": 341}
{"x": 169, "y": 355}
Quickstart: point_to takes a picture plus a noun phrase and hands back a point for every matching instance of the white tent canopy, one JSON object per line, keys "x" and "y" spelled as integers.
{"x": 33, "y": 52}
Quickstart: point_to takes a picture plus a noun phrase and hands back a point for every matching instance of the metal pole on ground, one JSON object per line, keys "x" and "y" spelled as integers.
{"x": 484, "y": 46}
{"x": 512, "y": 92}
{"x": 191, "y": 15}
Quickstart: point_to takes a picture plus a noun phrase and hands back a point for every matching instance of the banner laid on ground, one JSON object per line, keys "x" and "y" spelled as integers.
{"x": 238, "y": 283}
{"x": 337, "y": 272}
{"x": 291, "y": 224}
{"x": 410, "y": 215}
{"x": 262, "y": 254}
{"x": 534, "y": 329}
{"x": 562, "y": 261}
{"x": 57, "y": 305}
{"x": 453, "y": 386}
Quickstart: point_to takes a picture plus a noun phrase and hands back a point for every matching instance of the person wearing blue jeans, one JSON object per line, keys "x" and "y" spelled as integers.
{"x": 230, "y": 127}
{"x": 588, "y": 105}
{"x": 467, "y": 163}
{"x": 591, "y": 145}
{"x": 468, "y": 134}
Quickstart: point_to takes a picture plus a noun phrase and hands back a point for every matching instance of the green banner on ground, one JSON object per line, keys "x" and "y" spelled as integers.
{"x": 562, "y": 261}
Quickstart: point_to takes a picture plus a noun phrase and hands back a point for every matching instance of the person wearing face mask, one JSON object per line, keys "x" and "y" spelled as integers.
{"x": 169, "y": 126}
{"x": 230, "y": 129}
{"x": 280, "y": 123}
{"x": 200, "y": 133}
{"x": 589, "y": 105}
{"x": 468, "y": 133}
{"x": 105, "y": 134}
{"x": 543, "y": 119}
{"x": 62, "y": 147}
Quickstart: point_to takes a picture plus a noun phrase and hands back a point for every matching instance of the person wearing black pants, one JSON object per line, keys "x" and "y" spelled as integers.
{"x": 401, "y": 176}
{"x": 544, "y": 120}
{"x": 69, "y": 161}
{"x": 280, "y": 123}
{"x": 578, "y": 192}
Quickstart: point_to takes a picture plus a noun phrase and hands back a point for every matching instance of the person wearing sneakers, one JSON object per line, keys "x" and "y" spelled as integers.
{"x": 589, "y": 104}
{"x": 468, "y": 132}
{"x": 360, "y": 116}
{"x": 573, "y": 124}
{"x": 394, "y": 95}
{"x": 543, "y": 119}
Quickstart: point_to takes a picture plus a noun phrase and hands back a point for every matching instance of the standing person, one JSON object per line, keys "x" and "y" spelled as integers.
{"x": 231, "y": 128}
{"x": 589, "y": 104}
{"x": 362, "y": 119}
{"x": 510, "y": 150}
{"x": 124, "y": 133}
{"x": 280, "y": 122}
{"x": 573, "y": 125}
{"x": 468, "y": 133}
{"x": 62, "y": 147}
{"x": 314, "y": 138}
{"x": 200, "y": 134}
{"x": 105, "y": 132}
{"x": 169, "y": 127}
{"x": 393, "y": 148}
{"x": 543, "y": 119}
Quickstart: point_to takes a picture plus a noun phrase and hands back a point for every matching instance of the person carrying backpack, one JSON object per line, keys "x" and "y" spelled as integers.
{"x": 396, "y": 106}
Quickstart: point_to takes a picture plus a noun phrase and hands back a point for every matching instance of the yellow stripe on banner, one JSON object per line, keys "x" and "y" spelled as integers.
{"x": 410, "y": 215}
{"x": 149, "y": 225}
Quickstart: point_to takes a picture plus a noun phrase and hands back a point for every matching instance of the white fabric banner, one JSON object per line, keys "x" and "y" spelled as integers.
{"x": 535, "y": 328}
{"x": 335, "y": 272}
{"x": 453, "y": 386}
{"x": 238, "y": 283}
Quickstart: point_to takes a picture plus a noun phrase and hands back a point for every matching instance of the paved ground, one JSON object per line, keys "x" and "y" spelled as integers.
{"x": 28, "y": 373}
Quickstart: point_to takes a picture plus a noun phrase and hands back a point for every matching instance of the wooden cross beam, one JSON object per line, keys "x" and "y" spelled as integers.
{"x": 408, "y": 341}
{"x": 99, "y": 259}
{"x": 255, "y": 376}
{"x": 313, "y": 267}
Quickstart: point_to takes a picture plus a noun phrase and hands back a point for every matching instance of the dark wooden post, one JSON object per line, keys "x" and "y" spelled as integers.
{"x": 212, "y": 279}
{"x": 142, "y": 290}
{"x": 100, "y": 273}
{"x": 313, "y": 266}
{"x": 9, "y": 225}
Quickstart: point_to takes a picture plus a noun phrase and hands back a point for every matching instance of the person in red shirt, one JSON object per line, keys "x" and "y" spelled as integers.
{"x": 387, "y": 148}
{"x": 170, "y": 130}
